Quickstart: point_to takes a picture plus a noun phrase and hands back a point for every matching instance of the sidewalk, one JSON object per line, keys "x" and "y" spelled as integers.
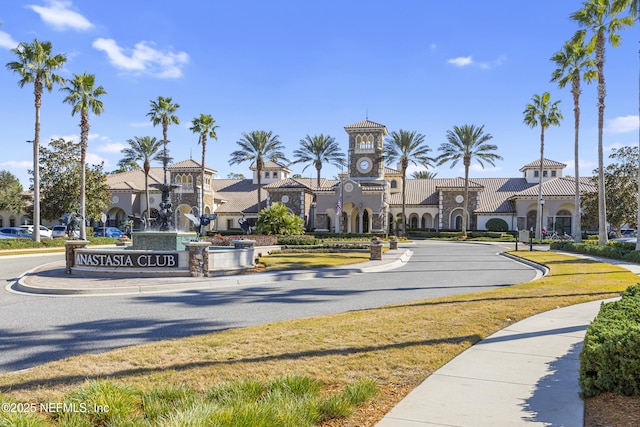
{"x": 523, "y": 375}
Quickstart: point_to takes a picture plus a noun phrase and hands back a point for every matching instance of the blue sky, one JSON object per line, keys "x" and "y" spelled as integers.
{"x": 298, "y": 68}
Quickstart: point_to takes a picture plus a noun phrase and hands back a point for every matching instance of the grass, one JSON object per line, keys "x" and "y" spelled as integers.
{"x": 299, "y": 261}
{"x": 394, "y": 347}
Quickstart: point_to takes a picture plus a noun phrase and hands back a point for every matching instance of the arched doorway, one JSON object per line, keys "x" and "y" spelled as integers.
{"x": 365, "y": 221}
{"x": 532, "y": 222}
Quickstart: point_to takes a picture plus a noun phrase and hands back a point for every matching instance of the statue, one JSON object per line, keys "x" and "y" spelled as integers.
{"x": 73, "y": 221}
{"x": 246, "y": 224}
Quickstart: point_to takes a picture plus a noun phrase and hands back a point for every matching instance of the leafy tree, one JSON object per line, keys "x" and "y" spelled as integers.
{"x": 162, "y": 113}
{"x": 60, "y": 163}
{"x": 11, "y": 199}
{"x": 318, "y": 149}
{"x": 84, "y": 98}
{"x": 541, "y": 112}
{"x": 406, "y": 147}
{"x": 233, "y": 175}
{"x": 278, "y": 219}
{"x": 125, "y": 166}
{"x": 574, "y": 64}
{"x": 258, "y": 146}
{"x": 36, "y": 65}
{"x": 424, "y": 174}
{"x": 468, "y": 143}
{"x": 142, "y": 149}
{"x": 620, "y": 178}
{"x": 205, "y": 127}
{"x": 601, "y": 17}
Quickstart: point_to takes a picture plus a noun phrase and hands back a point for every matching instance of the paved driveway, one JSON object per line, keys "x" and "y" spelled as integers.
{"x": 37, "y": 329}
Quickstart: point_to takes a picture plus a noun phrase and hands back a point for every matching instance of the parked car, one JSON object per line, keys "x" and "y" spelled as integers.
{"x": 45, "y": 233}
{"x": 108, "y": 232}
{"x": 59, "y": 231}
{"x": 14, "y": 232}
{"x": 628, "y": 232}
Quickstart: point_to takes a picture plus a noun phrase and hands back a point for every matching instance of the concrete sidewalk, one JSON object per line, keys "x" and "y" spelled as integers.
{"x": 523, "y": 375}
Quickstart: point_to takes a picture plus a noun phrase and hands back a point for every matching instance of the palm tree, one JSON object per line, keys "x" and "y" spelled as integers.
{"x": 601, "y": 18}
{"x": 541, "y": 112}
{"x": 424, "y": 174}
{"x": 162, "y": 113}
{"x": 468, "y": 143}
{"x": 258, "y": 146}
{"x": 36, "y": 64}
{"x": 142, "y": 149}
{"x": 406, "y": 147}
{"x": 574, "y": 64}
{"x": 317, "y": 150}
{"x": 634, "y": 10}
{"x": 205, "y": 127}
{"x": 83, "y": 97}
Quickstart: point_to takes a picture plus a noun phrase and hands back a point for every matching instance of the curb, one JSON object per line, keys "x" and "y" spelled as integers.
{"x": 21, "y": 285}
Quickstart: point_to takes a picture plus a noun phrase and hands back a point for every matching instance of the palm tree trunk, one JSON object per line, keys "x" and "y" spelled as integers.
{"x": 539, "y": 216}
{"x": 83, "y": 171}
{"x": 204, "y": 149}
{"x": 576, "y": 159}
{"x": 36, "y": 162}
{"x": 602, "y": 205}
{"x": 404, "y": 200}
{"x": 146, "y": 194}
{"x": 465, "y": 204}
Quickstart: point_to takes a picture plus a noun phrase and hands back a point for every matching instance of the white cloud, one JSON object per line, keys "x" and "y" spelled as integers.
{"x": 622, "y": 124}
{"x": 111, "y": 147}
{"x": 467, "y": 61}
{"x": 59, "y": 15}
{"x": 7, "y": 41}
{"x": 143, "y": 58}
{"x": 461, "y": 61}
{"x": 17, "y": 164}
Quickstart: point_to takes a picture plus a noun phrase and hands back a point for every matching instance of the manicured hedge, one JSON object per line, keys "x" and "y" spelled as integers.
{"x": 614, "y": 250}
{"x": 610, "y": 358}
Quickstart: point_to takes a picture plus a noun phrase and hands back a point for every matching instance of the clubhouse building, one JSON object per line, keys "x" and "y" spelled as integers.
{"x": 366, "y": 198}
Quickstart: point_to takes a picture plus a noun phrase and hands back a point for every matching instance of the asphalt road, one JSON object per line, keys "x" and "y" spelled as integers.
{"x": 36, "y": 329}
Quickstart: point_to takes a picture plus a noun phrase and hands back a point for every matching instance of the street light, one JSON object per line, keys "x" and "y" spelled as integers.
{"x": 36, "y": 192}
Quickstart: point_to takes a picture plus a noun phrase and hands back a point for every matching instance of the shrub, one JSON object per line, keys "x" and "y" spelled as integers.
{"x": 297, "y": 241}
{"x": 277, "y": 219}
{"x": 497, "y": 224}
{"x": 610, "y": 361}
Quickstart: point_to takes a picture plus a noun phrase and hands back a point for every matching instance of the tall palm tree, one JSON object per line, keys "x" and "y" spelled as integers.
{"x": 162, "y": 113}
{"x": 541, "y": 112}
{"x": 205, "y": 127}
{"x": 258, "y": 146}
{"x": 84, "y": 98}
{"x": 36, "y": 64}
{"x": 601, "y": 18}
{"x": 424, "y": 174}
{"x": 143, "y": 149}
{"x": 319, "y": 149}
{"x": 574, "y": 64}
{"x": 406, "y": 147}
{"x": 467, "y": 142}
{"x": 634, "y": 11}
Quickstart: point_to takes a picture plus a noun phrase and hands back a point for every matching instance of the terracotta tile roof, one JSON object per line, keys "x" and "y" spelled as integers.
{"x": 456, "y": 183}
{"x": 498, "y": 193}
{"x": 241, "y": 195}
{"x": 134, "y": 180}
{"x": 365, "y": 124}
{"x": 269, "y": 165}
{"x": 309, "y": 183}
{"x": 559, "y": 187}
{"x": 545, "y": 164}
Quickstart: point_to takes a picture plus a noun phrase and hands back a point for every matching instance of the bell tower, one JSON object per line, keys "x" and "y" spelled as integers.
{"x": 366, "y": 150}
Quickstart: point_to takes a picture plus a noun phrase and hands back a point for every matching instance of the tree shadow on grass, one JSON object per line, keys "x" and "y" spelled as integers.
{"x": 316, "y": 353}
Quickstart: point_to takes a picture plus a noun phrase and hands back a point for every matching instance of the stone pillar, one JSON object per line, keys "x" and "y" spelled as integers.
{"x": 376, "y": 251}
{"x": 198, "y": 258}
{"x": 393, "y": 243}
{"x": 70, "y": 247}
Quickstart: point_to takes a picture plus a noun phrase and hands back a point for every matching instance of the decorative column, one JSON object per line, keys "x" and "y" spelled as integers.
{"x": 198, "y": 258}
{"x": 376, "y": 250}
{"x": 70, "y": 247}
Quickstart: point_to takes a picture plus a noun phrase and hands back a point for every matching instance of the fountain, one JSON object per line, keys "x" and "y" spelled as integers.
{"x": 160, "y": 251}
